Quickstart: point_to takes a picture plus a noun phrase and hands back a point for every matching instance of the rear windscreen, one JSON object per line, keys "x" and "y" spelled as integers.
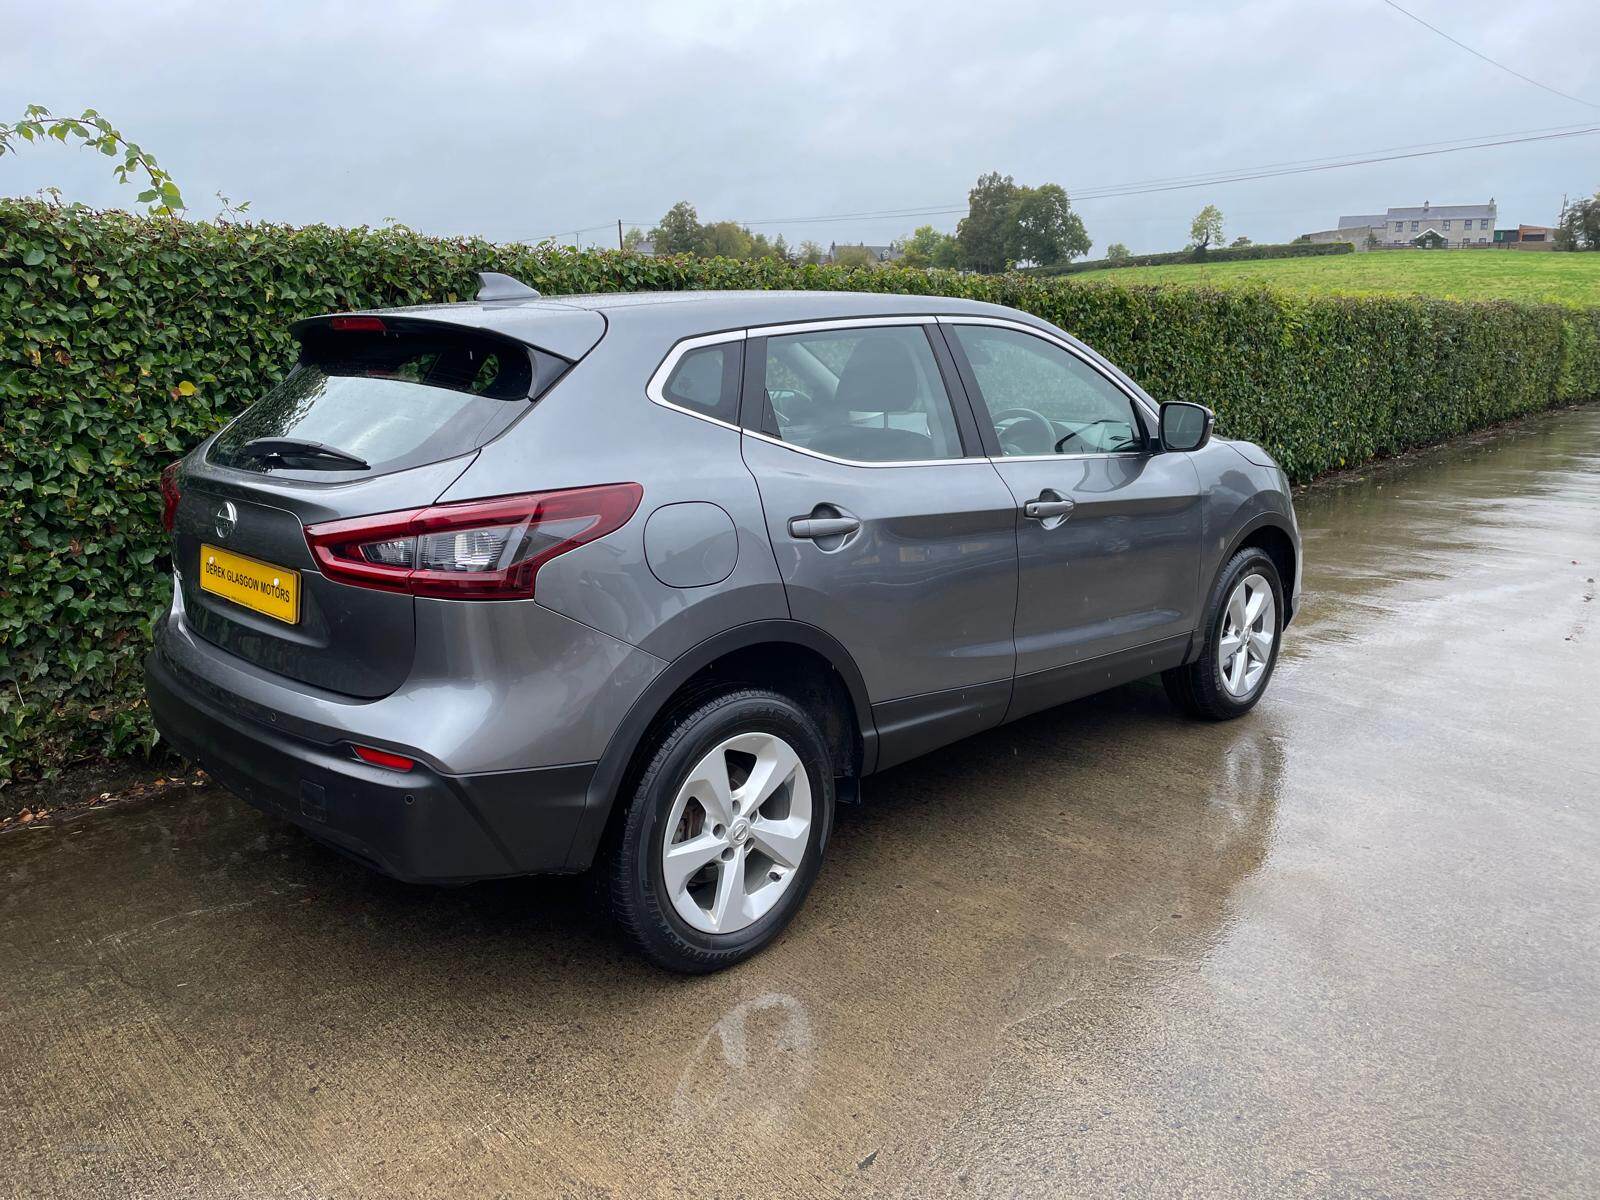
{"x": 392, "y": 400}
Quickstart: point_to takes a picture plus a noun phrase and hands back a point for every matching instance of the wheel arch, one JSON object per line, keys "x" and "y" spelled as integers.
{"x": 1271, "y": 533}
{"x": 789, "y": 656}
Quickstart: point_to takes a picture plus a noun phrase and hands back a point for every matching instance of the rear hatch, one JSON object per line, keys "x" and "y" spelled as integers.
{"x": 381, "y": 414}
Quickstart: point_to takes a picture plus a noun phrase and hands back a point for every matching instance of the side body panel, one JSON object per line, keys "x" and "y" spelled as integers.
{"x": 1121, "y": 571}
{"x": 922, "y": 596}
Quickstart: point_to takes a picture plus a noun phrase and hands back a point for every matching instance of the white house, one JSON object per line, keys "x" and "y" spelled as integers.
{"x": 1453, "y": 225}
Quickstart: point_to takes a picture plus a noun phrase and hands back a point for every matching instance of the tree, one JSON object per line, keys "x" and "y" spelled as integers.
{"x": 854, "y": 256}
{"x": 1007, "y": 223}
{"x": 679, "y": 231}
{"x": 809, "y": 253}
{"x": 780, "y": 250}
{"x": 724, "y": 239}
{"x": 1116, "y": 252}
{"x": 97, "y": 133}
{"x": 983, "y": 231}
{"x": 1043, "y": 228}
{"x": 1241, "y": 240}
{"x": 927, "y": 247}
{"x": 948, "y": 253}
{"x": 632, "y": 239}
{"x": 1206, "y": 227}
{"x": 1579, "y": 227}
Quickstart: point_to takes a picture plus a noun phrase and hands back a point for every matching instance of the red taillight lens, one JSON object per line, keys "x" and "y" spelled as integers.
{"x": 383, "y": 758}
{"x": 357, "y": 324}
{"x": 476, "y": 550}
{"x": 169, "y": 496}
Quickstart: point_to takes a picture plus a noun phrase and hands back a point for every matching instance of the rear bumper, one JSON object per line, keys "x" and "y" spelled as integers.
{"x": 420, "y": 825}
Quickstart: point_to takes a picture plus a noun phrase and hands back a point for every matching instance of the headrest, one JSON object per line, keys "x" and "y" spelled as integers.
{"x": 879, "y": 376}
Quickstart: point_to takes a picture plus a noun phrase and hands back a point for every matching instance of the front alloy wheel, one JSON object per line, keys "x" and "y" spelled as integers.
{"x": 1241, "y": 635}
{"x": 1249, "y": 630}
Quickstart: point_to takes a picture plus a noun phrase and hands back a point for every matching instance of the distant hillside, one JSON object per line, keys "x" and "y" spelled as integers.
{"x": 1529, "y": 276}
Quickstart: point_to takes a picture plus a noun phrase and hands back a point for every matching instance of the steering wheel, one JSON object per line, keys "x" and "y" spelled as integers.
{"x": 1047, "y": 431}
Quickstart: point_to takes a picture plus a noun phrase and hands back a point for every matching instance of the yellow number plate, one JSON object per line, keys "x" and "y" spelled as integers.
{"x": 257, "y": 585}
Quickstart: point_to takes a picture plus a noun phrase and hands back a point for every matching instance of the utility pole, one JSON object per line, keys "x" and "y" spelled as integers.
{"x": 620, "y": 246}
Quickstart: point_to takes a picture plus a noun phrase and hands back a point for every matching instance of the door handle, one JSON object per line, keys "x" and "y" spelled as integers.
{"x": 811, "y": 528}
{"x": 1042, "y": 509}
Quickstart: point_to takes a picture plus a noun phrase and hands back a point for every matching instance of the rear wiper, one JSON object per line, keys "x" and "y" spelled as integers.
{"x": 287, "y": 448}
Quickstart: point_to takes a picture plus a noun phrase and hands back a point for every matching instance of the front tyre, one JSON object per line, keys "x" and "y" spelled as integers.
{"x": 725, "y": 832}
{"x": 1244, "y": 625}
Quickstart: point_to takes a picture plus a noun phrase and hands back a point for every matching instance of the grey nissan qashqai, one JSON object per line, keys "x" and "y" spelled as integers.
{"x": 651, "y": 582}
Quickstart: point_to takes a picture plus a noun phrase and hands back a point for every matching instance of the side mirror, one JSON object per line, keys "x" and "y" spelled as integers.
{"x": 1185, "y": 426}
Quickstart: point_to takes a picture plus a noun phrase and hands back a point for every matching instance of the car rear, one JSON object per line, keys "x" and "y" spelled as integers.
{"x": 339, "y": 640}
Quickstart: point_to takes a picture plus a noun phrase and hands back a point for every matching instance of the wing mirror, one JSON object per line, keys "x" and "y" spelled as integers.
{"x": 1185, "y": 426}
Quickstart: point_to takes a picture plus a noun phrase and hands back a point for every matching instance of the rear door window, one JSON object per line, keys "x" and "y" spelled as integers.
{"x": 392, "y": 400}
{"x": 871, "y": 394}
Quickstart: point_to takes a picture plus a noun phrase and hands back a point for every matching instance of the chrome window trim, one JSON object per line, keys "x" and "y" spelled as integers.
{"x": 656, "y": 388}
{"x": 857, "y": 462}
{"x": 824, "y": 325}
{"x": 1063, "y": 458}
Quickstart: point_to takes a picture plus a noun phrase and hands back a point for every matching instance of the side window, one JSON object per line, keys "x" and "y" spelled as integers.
{"x": 872, "y": 395}
{"x": 706, "y": 381}
{"x": 1043, "y": 400}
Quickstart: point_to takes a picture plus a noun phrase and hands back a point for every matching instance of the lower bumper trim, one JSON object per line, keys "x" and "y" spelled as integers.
{"x": 421, "y": 825}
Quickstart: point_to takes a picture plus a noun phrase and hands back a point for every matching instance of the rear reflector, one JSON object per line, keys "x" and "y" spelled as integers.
{"x": 169, "y": 496}
{"x": 357, "y": 324}
{"x": 476, "y": 550}
{"x": 382, "y": 758}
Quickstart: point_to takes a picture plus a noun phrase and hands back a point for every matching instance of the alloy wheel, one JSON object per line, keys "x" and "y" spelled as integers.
{"x": 1249, "y": 628}
{"x": 737, "y": 833}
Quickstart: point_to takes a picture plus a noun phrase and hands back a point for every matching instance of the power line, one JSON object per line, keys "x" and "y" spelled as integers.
{"x": 1181, "y": 182}
{"x": 1461, "y": 142}
{"x": 1492, "y": 62}
{"x": 1352, "y": 162}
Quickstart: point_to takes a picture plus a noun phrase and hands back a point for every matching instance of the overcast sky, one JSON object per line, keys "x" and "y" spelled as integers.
{"x": 540, "y": 117}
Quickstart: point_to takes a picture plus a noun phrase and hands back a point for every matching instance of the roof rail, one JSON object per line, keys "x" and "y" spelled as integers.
{"x": 495, "y": 286}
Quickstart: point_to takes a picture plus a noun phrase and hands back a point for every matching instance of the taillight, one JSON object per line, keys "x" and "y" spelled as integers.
{"x": 475, "y": 550}
{"x": 169, "y": 496}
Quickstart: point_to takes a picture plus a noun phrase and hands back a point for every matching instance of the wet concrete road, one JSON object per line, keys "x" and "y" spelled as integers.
{"x": 1348, "y": 946}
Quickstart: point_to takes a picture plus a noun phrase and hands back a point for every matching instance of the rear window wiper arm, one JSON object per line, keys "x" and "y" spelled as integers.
{"x": 286, "y": 448}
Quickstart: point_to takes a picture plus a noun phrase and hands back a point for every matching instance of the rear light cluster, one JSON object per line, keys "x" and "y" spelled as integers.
{"x": 169, "y": 496}
{"x": 476, "y": 550}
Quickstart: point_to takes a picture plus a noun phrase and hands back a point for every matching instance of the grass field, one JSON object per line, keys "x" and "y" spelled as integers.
{"x": 1532, "y": 276}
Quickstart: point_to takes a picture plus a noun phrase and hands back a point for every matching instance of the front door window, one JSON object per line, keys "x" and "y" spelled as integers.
{"x": 1042, "y": 399}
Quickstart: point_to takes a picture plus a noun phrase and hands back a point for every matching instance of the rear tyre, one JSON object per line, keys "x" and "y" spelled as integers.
{"x": 1243, "y": 627}
{"x": 725, "y": 832}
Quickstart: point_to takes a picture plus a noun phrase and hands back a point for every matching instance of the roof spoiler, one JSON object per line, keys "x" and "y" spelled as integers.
{"x": 495, "y": 286}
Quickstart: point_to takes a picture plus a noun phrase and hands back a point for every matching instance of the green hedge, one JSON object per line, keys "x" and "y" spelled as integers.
{"x": 124, "y": 340}
{"x": 1216, "y": 255}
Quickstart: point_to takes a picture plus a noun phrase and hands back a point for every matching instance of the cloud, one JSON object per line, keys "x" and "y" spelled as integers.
{"x": 524, "y": 120}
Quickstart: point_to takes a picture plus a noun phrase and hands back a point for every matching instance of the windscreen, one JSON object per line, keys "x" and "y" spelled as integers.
{"x": 366, "y": 402}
